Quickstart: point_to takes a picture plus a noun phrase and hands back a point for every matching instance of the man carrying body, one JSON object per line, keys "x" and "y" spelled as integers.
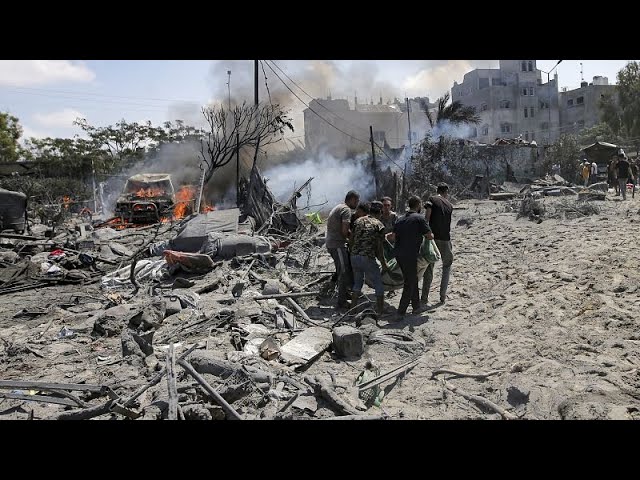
{"x": 438, "y": 213}
{"x": 366, "y": 246}
{"x": 408, "y": 233}
{"x": 338, "y": 233}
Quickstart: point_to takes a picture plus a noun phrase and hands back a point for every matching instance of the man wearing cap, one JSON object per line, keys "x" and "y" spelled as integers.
{"x": 623, "y": 174}
{"x": 366, "y": 246}
{"x": 438, "y": 213}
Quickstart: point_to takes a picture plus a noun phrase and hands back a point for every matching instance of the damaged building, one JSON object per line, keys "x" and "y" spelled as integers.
{"x": 512, "y": 101}
{"x": 341, "y": 129}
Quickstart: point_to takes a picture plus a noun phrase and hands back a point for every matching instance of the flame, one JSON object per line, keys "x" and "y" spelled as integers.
{"x": 150, "y": 192}
{"x": 207, "y": 208}
{"x": 184, "y": 197}
{"x": 66, "y": 201}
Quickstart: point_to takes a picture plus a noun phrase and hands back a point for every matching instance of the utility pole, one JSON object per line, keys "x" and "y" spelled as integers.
{"x": 255, "y": 80}
{"x": 373, "y": 163}
{"x": 409, "y": 120}
{"x": 238, "y": 170}
{"x": 229, "y": 87}
{"x": 93, "y": 181}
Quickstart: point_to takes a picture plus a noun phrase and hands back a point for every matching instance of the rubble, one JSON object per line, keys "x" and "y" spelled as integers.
{"x": 230, "y": 314}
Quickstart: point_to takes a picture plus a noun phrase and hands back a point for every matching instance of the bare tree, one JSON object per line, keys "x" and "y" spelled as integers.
{"x": 251, "y": 124}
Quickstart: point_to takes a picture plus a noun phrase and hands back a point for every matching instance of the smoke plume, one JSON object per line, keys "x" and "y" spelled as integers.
{"x": 332, "y": 179}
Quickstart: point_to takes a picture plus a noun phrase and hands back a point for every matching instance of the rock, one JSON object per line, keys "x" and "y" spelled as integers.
{"x": 517, "y": 395}
{"x": 271, "y": 288}
{"x": 197, "y": 412}
{"x": 173, "y": 306}
{"x": 269, "y": 349}
{"x": 306, "y": 402}
{"x": 182, "y": 283}
{"x": 120, "y": 249}
{"x": 9, "y": 257}
{"x": 348, "y": 341}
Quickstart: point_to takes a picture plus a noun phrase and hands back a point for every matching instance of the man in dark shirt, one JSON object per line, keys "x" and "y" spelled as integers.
{"x": 408, "y": 234}
{"x": 438, "y": 213}
{"x": 623, "y": 174}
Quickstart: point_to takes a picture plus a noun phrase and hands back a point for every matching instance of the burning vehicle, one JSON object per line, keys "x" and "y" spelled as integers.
{"x": 146, "y": 198}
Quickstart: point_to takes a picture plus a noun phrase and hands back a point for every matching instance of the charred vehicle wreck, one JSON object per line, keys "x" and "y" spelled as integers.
{"x": 146, "y": 198}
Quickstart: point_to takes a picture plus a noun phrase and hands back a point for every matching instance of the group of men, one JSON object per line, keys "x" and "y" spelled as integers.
{"x": 357, "y": 232}
{"x": 620, "y": 172}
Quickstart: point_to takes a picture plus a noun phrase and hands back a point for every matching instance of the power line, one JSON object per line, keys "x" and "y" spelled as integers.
{"x": 321, "y": 117}
{"x": 311, "y": 97}
{"x": 265, "y": 82}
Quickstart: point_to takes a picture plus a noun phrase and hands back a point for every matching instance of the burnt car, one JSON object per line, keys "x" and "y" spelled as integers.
{"x": 146, "y": 198}
{"x": 13, "y": 211}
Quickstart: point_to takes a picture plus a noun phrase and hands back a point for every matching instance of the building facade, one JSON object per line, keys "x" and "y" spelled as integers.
{"x": 512, "y": 102}
{"x": 579, "y": 108}
{"x": 342, "y": 130}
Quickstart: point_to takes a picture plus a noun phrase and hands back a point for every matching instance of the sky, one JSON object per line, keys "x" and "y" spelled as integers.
{"x": 48, "y": 95}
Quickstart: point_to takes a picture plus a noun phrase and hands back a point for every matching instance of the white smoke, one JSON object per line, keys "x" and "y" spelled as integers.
{"x": 332, "y": 179}
{"x": 446, "y": 128}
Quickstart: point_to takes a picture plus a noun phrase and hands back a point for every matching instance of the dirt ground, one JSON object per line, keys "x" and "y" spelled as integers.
{"x": 549, "y": 309}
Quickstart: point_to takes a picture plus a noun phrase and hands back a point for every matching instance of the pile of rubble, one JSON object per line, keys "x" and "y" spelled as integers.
{"x": 198, "y": 319}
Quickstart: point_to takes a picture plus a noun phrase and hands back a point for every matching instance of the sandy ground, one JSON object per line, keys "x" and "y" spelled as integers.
{"x": 550, "y": 308}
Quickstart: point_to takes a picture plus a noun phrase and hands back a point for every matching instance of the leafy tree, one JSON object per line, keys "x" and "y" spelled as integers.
{"x": 243, "y": 126}
{"x": 10, "y": 133}
{"x": 564, "y": 152}
{"x": 601, "y": 132}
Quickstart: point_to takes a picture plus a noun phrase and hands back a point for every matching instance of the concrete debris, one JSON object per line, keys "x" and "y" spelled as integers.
{"x": 232, "y": 314}
{"x": 348, "y": 341}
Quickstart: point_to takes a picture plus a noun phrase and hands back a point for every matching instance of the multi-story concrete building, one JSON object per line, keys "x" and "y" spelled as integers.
{"x": 579, "y": 108}
{"x": 332, "y": 126}
{"x": 512, "y": 101}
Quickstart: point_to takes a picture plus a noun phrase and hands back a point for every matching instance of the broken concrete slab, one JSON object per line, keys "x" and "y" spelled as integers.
{"x": 120, "y": 249}
{"x": 348, "y": 341}
{"x": 308, "y": 345}
{"x": 306, "y": 403}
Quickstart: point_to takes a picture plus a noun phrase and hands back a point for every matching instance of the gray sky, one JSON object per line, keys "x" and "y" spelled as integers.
{"x": 48, "y": 95}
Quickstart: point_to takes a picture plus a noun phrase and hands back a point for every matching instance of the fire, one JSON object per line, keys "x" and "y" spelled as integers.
{"x": 207, "y": 208}
{"x": 66, "y": 201}
{"x": 149, "y": 192}
{"x": 184, "y": 197}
